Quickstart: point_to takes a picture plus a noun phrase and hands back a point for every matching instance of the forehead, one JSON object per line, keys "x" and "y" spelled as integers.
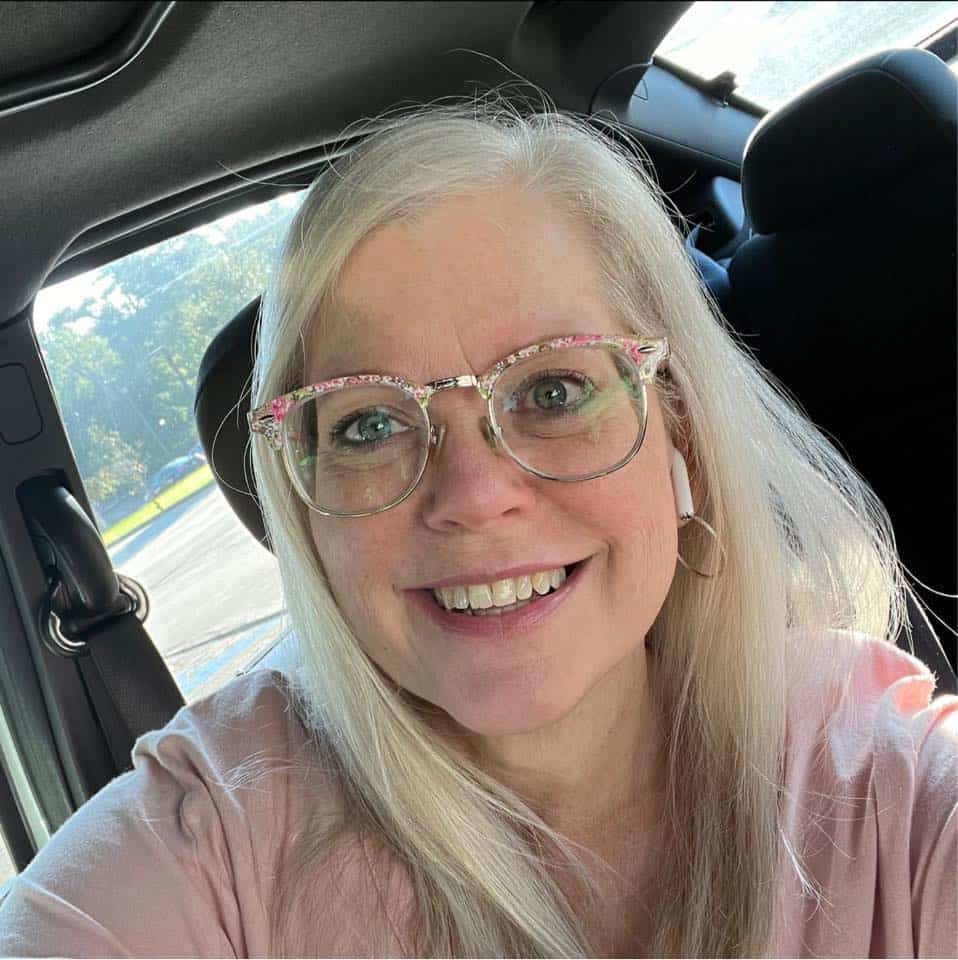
{"x": 458, "y": 288}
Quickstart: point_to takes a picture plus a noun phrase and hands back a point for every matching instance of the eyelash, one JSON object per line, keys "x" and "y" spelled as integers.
{"x": 338, "y": 429}
{"x": 540, "y": 375}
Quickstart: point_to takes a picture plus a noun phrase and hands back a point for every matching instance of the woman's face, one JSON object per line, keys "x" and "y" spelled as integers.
{"x": 464, "y": 285}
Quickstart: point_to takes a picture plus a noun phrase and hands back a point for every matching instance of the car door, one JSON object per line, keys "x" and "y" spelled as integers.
{"x": 121, "y": 380}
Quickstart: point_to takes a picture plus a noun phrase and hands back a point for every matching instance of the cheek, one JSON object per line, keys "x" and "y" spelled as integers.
{"x": 634, "y": 512}
{"x": 351, "y": 552}
{"x": 352, "y": 555}
{"x": 634, "y": 502}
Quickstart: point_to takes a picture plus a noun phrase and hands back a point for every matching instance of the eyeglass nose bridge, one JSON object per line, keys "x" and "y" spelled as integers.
{"x": 437, "y": 433}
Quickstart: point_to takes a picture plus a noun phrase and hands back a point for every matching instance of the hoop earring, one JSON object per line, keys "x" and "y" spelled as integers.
{"x": 686, "y": 510}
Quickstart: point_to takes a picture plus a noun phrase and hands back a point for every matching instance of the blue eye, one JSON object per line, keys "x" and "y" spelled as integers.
{"x": 367, "y": 428}
{"x": 550, "y": 393}
{"x": 555, "y": 391}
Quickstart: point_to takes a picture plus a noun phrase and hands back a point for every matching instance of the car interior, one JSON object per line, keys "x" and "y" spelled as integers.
{"x": 822, "y": 225}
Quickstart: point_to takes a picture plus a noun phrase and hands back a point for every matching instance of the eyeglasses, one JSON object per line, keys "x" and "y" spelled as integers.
{"x": 569, "y": 409}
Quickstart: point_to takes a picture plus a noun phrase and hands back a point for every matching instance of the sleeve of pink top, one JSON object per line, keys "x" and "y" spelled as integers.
{"x": 160, "y": 863}
{"x": 934, "y": 834}
{"x": 121, "y": 878}
{"x": 910, "y": 908}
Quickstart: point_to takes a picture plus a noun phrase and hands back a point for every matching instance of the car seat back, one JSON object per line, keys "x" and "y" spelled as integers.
{"x": 846, "y": 291}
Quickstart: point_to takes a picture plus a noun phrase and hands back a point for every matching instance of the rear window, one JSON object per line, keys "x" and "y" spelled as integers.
{"x": 776, "y": 49}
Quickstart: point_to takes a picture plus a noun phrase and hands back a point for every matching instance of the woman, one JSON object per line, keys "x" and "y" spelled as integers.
{"x": 598, "y": 661}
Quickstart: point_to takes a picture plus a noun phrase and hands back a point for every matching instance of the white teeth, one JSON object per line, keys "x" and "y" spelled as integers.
{"x": 501, "y": 593}
{"x": 541, "y": 583}
{"x": 498, "y": 611}
{"x": 504, "y": 592}
{"x": 447, "y": 597}
{"x": 480, "y": 597}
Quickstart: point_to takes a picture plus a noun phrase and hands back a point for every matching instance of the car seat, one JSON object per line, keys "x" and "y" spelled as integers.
{"x": 846, "y": 291}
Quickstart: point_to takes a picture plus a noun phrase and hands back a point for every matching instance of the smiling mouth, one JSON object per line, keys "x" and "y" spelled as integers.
{"x": 495, "y": 611}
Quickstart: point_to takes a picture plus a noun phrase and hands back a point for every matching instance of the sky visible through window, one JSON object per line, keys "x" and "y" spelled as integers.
{"x": 777, "y": 48}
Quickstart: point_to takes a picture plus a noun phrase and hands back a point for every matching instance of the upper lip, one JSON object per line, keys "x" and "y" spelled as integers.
{"x": 491, "y": 576}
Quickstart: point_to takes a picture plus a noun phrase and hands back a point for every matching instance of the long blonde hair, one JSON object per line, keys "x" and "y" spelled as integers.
{"x": 809, "y": 548}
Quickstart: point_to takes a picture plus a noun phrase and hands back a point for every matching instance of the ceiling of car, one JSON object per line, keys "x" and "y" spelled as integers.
{"x": 37, "y": 36}
{"x": 256, "y": 88}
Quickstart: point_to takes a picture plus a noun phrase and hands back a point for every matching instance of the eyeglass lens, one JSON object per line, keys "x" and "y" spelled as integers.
{"x": 569, "y": 414}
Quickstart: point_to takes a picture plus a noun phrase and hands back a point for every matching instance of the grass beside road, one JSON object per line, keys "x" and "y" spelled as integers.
{"x": 165, "y": 499}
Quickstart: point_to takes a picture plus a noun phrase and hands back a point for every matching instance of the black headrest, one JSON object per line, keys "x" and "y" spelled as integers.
{"x": 221, "y": 404}
{"x": 847, "y": 134}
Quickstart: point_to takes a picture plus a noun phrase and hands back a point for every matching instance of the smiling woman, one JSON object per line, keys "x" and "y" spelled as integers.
{"x": 443, "y": 244}
{"x": 587, "y": 664}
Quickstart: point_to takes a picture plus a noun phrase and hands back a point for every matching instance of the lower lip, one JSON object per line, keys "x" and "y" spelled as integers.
{"x": 517, "y": 621}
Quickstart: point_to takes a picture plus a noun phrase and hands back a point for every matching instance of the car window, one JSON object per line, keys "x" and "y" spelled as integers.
{"x": 776, "y": 48}
{"x": 123, "y": 345}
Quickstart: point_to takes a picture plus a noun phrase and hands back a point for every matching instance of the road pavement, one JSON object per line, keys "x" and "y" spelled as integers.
{"x": 216, "y": 603}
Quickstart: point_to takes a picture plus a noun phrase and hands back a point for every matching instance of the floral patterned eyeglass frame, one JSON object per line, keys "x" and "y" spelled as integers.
{"x": 648, "y": 354}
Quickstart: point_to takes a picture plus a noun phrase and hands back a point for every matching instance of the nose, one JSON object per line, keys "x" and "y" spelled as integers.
{"x": 471, "y": 482}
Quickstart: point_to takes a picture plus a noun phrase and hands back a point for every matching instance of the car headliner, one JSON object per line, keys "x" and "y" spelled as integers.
{"x": 263, "y": 89}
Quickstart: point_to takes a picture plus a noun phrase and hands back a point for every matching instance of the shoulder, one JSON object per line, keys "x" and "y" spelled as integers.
{"x": 200, "y": 822}
{"x": 251, "y": 714}
{"x": 172, "y": 857}
{"x": 244, "y": 762}
{"x": 868, "y": 700}
{"x": 268, "y": 790}
{"x": 860, "y": 707}
{"x": 891, "y": 722}
{"x": 871, "y": 799}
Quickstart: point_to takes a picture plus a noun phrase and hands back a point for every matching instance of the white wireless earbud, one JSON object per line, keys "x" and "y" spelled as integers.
{"x": 680, "y": 486}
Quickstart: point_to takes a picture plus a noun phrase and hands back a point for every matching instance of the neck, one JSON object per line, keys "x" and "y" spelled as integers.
{"x": 596, "y": 769}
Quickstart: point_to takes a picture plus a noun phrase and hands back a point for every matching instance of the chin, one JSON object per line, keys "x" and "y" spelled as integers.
{"x": 504, "y": 709}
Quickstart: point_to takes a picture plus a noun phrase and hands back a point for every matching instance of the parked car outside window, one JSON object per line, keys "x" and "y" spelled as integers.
{"x": 167, "y": 475}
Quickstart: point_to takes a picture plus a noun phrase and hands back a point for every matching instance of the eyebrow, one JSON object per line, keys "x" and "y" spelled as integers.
{"x": 338, "y": 311}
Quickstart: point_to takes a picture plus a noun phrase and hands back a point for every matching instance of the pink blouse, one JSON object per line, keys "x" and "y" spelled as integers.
{"x": 170, "y": 860}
